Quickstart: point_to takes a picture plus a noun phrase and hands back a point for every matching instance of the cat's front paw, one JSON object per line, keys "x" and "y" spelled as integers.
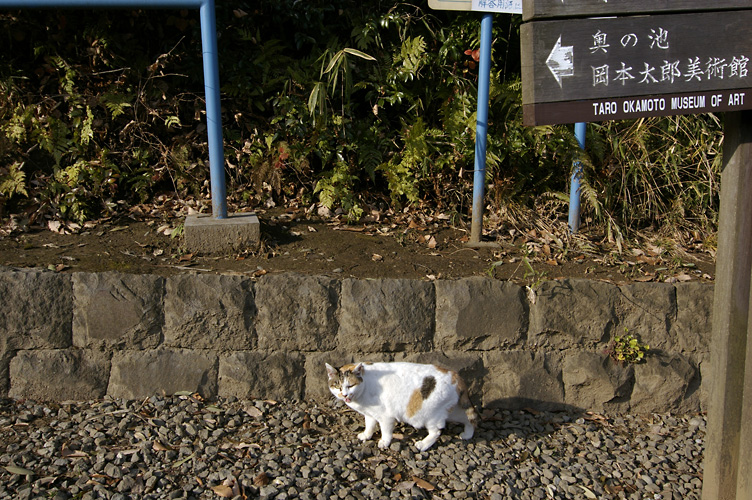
{"x": 422, "y": 445}
{"x": 384, "y": 443}
{"x": 363, "y": 436}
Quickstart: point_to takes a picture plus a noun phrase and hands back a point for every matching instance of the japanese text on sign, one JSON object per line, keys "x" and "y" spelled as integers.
{"x": 661, "y": 70}
{"x": 508, "y": 6}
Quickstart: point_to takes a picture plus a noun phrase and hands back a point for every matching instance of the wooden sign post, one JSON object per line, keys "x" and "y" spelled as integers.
{"x": 692, "y": 58}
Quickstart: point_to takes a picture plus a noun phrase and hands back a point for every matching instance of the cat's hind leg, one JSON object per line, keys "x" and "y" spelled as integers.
{"x": 387, "y": 430}
{"x": 459, "y": 415}
{"x": 369, "y": 430}
{"x": 433, "y": 435}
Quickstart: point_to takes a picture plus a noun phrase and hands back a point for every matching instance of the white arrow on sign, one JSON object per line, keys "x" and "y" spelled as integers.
{"x": 561, "y": 61}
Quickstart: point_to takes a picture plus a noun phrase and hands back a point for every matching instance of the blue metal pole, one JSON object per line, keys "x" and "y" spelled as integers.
{"x": 211, "y": 73}
{"x": 213, "y": 110}
{"x": 574, "y": 186}
{"x": 481, "y": 126}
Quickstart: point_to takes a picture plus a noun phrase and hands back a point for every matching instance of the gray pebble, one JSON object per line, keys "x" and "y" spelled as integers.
{"x": 515, "y": 455}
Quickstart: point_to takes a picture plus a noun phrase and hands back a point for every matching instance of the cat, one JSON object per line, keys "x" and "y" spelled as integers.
{"x": 418, "y": 394}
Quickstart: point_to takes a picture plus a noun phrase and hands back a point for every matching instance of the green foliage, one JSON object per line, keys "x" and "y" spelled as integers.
{"x": 627, "y": 349}
{"x": 662, "y": 172}
{"x": 347, "y": 103}
{"x": 13, "y": 180}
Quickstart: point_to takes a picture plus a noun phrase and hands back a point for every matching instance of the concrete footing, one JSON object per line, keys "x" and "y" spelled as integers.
{"x": 206, "y": 235}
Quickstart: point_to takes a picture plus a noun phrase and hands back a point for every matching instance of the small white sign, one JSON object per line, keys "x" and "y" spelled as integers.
{"x": 508, "y": 6}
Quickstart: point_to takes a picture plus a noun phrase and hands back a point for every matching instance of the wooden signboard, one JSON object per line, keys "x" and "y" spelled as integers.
{"x": 539, "y": 9}
{"x": 597, "y": 69}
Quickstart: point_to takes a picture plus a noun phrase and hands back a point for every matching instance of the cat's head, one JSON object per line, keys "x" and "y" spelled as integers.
{"x": 345, "y": 383}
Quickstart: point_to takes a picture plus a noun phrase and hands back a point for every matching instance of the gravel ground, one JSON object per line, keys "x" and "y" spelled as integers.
{"x": 183, "y": 447}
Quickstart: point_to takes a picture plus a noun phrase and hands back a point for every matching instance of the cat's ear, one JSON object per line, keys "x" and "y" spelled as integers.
{"x": 331, "y": 371}
{"x": 358, "y": 370}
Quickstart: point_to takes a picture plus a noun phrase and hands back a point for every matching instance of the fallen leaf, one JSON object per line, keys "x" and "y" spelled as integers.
{"x": 68, "y": 453}
{"x": 160, "y": 446}
{"x": 423, "y": 484}
{"x": 223, "y": 490}
{"x": 531, "y": 296}
{"x": 54, "y": 226}
{"x": 253, "y": 411}
{"x": 184, "y": 460}
{"x": 18, "y": 470}
{"x": 432, "y": 242}
{"x": 588, "y": 493}
{"x": 261, "y": 480}
{"x": 376, "y": 257}
{"x": 311, "y": 229}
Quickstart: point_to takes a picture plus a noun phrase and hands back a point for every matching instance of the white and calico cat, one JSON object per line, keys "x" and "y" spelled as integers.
{"x": 418, "y": 394}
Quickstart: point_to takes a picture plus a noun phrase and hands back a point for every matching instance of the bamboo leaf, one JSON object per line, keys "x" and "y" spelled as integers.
{"x": 360, "y": 54}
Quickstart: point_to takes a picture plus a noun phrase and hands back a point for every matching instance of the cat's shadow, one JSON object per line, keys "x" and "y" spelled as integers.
{"x": 502, "y": 420}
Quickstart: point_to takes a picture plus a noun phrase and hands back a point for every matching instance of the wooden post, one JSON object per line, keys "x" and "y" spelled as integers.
{"x": 731, "y": 307}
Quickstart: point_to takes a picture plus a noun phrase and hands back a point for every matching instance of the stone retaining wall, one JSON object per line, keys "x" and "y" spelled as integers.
{"x": 83, "y": 335}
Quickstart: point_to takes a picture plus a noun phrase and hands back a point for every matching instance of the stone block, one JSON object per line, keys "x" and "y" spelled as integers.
{"x": 479, "y": 313}
{"x": 665, "y": 383}
{"x": 693, "y": 325}
{"x": 209, "y": 312}
{"x": 37, "y": 310}
{"x": 59, "y": 374}
{"x": 258, "y": 375}
{"x": 595, "y": 382}
{"x": 207, "y": 235}
{"x": 140, "y": 374}
{"x": 646, "y": 311}
{"x": 117, "y": 311}
{"x": 521, "y": 379}
{"x": 387, "y": 315}
{"x": 573, "y": 313}
{"x": 297, "y": 312}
